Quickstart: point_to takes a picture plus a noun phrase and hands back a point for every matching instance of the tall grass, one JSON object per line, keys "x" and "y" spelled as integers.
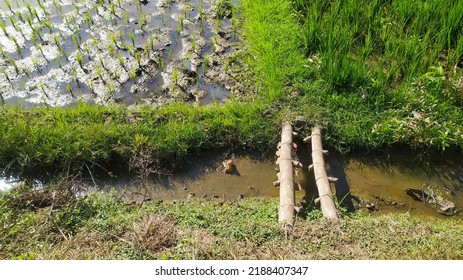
{"x": 272, "y": 35}
{"x": 376, "y": 64}
{"x": 86, "y": 134}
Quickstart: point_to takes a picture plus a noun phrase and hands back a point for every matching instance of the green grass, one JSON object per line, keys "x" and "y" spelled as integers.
{"x": 72, "y": 137}
{"x": 272, "y": 35}
{"x": 374, "y": 73}
{"x": 102, "y": 227}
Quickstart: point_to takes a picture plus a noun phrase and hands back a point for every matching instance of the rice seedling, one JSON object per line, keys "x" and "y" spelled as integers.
{"x": 6, "y": 75}
{"x": 58, "y": 61}
{"x": 19, "y": 15}
{"x": 99, "y": 74}
{"x": 138, "y": 58}
{"x": 40, "y": 48}
{"x": 18, "y": 47}
{"x": 193, "y": 43}
{"x": 76, "y": 40}
{"x": 170, "y": 54}
{"x": 3, "y": 28}
{"x": 80, "y": 60}
{"x": 88, "y": 19}
{"x": 13, "y": 22}
{"x": 36, "y": 32}
{"x": 132, "y": 39}
{"x": 175, "y": 76}
{"x": 111, "y": 48}
{"x": 36, "y": 64}
{"x": 121, "y": 60}
{"x": 28, "y": 20}
{"x": 133, "y": 74}
{"x": 47, "y": 24}
{"x": 151, "y": 42}
{"x": 41, "y": 5}
{"x": 8, "y": 5}
{"x": 69, "y": 89}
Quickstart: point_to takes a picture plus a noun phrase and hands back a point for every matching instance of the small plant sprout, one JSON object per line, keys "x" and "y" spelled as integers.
{"x": 111, "y": 48}
{"x": 13, "y": 22}
{"x": 119, "y": 4}
{"x": 121, "y": 60}
{"x": 193, "y": 43}
{"x": 37, "y": 32}
{"x": 47, "y": 24}
{"x": 20, "y": 16}
{"x": 132, "y": 38}
{"x": 170, "y": 54}
{"x": 161, "y": 63}
{"x": 88, "y": 19}
{"x": 8, "y": 4}
{"x": 80, "y": 60}
{"x": 58, "y": 61}
{"x": 42, "y": 7}
{"x": 3, "y": 27}
{"x": 35, "y": 62}
{"x": 6, "y": 75}
{"x": 101, "y": 61}
{"x": 76, "y": 40}
{"x": 175, "y": 76}
{"x": 147, "y": 51}
{"x": 18, "y": 47}
{"x": 112, "y": 9}
{"x": 69, "y": 88}
{"x": 142, "y": 20}
{"x": 29, "y": 21}
{"x": 98, "y": 72}
{"x": 133, "y": 74}
{"x": 40, "y": 48}
{"x": 151, "y": 41}
{"x": 138, "y": 58}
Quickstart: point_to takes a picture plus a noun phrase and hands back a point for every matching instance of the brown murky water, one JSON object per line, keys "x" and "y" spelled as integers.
{"x": 374, "y": 179}
{"x": 379, "y": 180}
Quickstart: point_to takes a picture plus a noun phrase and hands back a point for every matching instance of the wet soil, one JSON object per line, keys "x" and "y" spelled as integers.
{"x": 154, "y": 52}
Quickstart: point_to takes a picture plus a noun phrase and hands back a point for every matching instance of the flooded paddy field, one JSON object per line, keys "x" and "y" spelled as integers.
{"x": 57, "y": 52}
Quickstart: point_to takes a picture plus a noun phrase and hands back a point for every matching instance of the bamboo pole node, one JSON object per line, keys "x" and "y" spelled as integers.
{"x": 307, "y": 139}
{"x": 286, "y": 178}
{"x": 326, "y": 199}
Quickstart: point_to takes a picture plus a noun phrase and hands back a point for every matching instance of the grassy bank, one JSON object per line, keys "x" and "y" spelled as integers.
{"x": 101, "y": 227}
{"x": 72, "y": 137}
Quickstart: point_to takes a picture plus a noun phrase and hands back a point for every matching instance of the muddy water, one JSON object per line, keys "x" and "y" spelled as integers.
{"x": 204, "y": 177}
{"x": 381, "y": 180}
{"x": 59, "y": 52}
{"x": 378, "y": 180}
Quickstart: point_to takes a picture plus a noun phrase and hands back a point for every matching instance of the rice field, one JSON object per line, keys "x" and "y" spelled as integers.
{"x": 60, "y": 52}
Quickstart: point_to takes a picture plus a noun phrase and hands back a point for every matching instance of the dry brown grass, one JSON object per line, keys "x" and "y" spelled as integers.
{"x": 153, "y": 233}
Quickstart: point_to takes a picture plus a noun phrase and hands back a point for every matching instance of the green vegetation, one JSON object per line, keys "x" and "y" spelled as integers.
{"x": 72, "y": 137}
{"x": 371, "y": 73}
{"x": 378, "y": 72}
{"x": 103, "y": 227}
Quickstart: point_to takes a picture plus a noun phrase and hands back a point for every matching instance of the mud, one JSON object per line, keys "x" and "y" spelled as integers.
{"x": 59, "y": 52}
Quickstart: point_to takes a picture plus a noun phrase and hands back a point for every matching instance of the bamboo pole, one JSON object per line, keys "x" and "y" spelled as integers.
{"x": 321, "y": 179}
{"x": 286, "y": 178}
